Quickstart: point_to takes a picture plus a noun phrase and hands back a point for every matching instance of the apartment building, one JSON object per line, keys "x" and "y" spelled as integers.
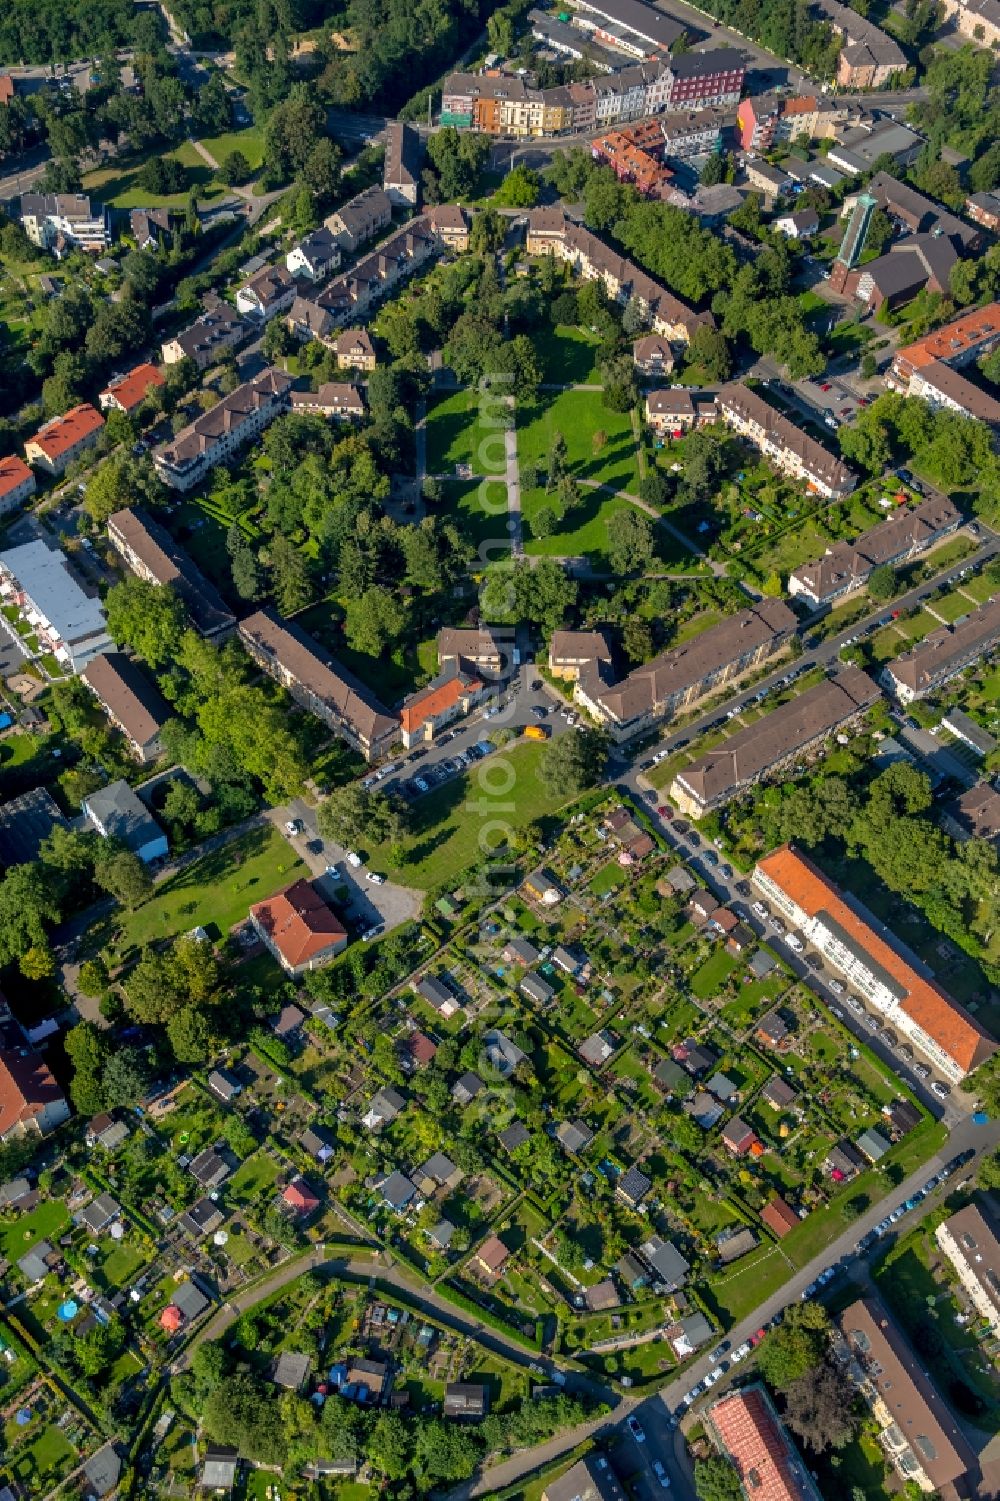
{"x": 131, "y": 702}
{"x": 61, "y": 440}
{"x": 868, "y": 57}
{"x": 149, "y": 227}
{"x": 450, "y": 224}
{"x": 218, "y": 435}
{"x": 126, "y": 393}
{"x": 871, "y": 960}
{"x": 360, "y": 219}
{"x": 31, "y": 1102}
{"x": 487, "y": 650}
{"x": 357, "y": 292}
{"x": 38, "y": 581}
{"x": 944, "y": 653}
{"x": 314, "y": 257}
{"x": 777, "y": 741}
{"x": 946, "y": 389}
{"x": 152, "y": 554}
{"x": 354, "y": 350}
{"x": 920, "y": 1438}
{"x": 788, "y": 448}
{"x": 571, "y": 652}
{"x": 343, "y": 403}
{"x": 747, "y": 1430}
{"x": 314, "y": 680}
{"x": 847, "y": 566}
{"x": 970, "y": 1243}
{"x": 958, "y": 343}
{"x": 673, "y": 413}
{"x": 403, "y": 157}
{"x": 17, "y": 483}
{"x": 653, "y": 356}
{"x": 682, "y": 677}
{"x": 696, "y": 133}
{"x": 635, "y": 156}
{"x": 699, "y": 80}
{"x": 984, "y": 209}
{"x": 765, "y": 120}
{"x": 551, "y": 233}
{"x": 978, "y": 20}
{"x": 209, "y": 338}
{"x": 451, "y": 695}
{"x": 770, "y": 181}
{"x": 61, "y": 222}
{"x": 269, "y": 291}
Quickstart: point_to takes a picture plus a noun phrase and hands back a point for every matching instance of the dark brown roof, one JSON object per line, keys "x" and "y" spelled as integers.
{"x": 851, "y": 562}
{"x": 170, "y": 564}
{"x": 128, "y": 695}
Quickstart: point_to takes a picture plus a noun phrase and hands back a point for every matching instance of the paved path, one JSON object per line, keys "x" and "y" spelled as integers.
{"x": 514, "y": 526}
{"x": 204, "y": 153}
{"x": 718, "y": 569}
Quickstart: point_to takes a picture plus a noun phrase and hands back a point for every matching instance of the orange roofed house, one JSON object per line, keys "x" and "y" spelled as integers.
{"x": 449, "y": 696}
{"x": 299, "y": 928}
{"x": 130, "y": 391}
{"x": 873, "y": 965}
{"x": 30, "y": 1098}
{"x": 746, "y": 1428}
{"x": 17, "y": 482}
{"x": 59, "y": 442}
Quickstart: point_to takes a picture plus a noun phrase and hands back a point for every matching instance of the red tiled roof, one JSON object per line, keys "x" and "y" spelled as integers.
{"x": 298, "y": 922}
{"x": 299, "y": 1195}
{"x": 492, "y": 1253}
{"x": 134, "y": 387}
{"x": 434, "y": 701}
{"x": 753, "y": 1438}
{"x": 59, "y": 435}
{"x": 954, "y": 339}
{"x": 941, "y": 1018}
{"x": 421, "y": 1048}
{"x": 13, "y": 472}
{"x": 171, "y": 1319}
{"x": 26, "y": 1087}
{"x": 779, "y": 1216}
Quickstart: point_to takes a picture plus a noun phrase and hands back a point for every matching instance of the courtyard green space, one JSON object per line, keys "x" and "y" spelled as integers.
{"x": 567, "y": 355}
{"x": 46, "y": 1222}
{"x": 578, "y": 416}
{"x": 118, "y": 184}
{"x": 463, "y": 429}
{"x": 479, "y": 510}
{"x": 458, "y": 824}
{"x": 391, "y": 676}
{"x": 216, "y": 891}
{"x": 582, "y": 533}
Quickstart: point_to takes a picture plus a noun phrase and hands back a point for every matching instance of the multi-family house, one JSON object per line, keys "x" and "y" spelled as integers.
{"x": 787, "y": 446}
{"x": 150, "y": 227}
{"x": 218, "y": 434}
{"x": 17, "y": 483}
{"x": 152, "y": 554}
{"x": 696, "y": 80}
{"x": 31, "y": 1102}
{"x": 131, "y": 702}
{"x": 354, "y": 350}
{"x": 944, "y": 653}
{"x": 978, "y": 20}
{"x": 342, "y": 402}
{"x": 62, "y": 439}
{"x": 970, "y": 1242}
{"x": 269, "y": 291}
{"x": 449, "y": 696}
{"x": 319, "y": 684}
{"x": 846, "y": 566}
{"x": 210, "y": 337}
{"x": 65, "y": 221}
{"x": 776, "y": 741}
{"x": 747, "y": 1430}
{"x": 360, "y": 219}
{"x": 38, "y": 582}
{"x": 868, "y": 57}
{"x": 315, "y": 256}
{"x": 126, "y": 393}
{"x": 401, "y": 170}
{"x": 680, "y": 678}
{"x": 449, "y": 222}
{"x": 357, "y": 292}
{"x": 673, "y": 413}
{"x": 852, "y": 946}
{"x": 984, "y": 209}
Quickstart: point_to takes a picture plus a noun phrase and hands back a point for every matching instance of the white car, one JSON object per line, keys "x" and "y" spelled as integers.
{"x": 353, "y": 859}
{"x": 941, "y": 1090}
{"x": 661, "y": 1474}
{"x": 836, "y": 986}
{"x": 795, "y": 943}
{"x": 375, "y": 878}
{"x": 294, "y": 826}
{"x": 760, "y": 909}
{"x": 714, "y": 1376}
{"x": 741, "y": 1352}
{"x": 854, "y": 1004}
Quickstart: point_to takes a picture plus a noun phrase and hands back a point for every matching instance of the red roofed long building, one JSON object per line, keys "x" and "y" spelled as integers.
{"x": 59, "y": 442}
{"x": 746, "y": 1428}
{"x": 430, "y": 709}
{"x": 299, "y": 928}
{"x": 30, "y": 1098}
{"x": 17, "y": 482}
{"x": 889, "y": 984}
{"x": 130, "y": 391}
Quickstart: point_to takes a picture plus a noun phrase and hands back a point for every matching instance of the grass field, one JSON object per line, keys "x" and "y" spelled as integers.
{"x": 118, "y": 184}
{"x": 457, "y": 825}
{"x": 216, "y": 891}
{"x": 249, "y": 141}
{"x": 566, "y": 355}
{"x": 479, "y": 510}
{"x": 47, "y": 1222}
{"x": 462, "y": 430}
{"x": 584, "y": 533}
{"x": 578, "y": 415}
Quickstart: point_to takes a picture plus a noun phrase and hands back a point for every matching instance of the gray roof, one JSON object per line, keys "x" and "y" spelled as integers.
{"x": 575, "y": 1136}
{"x": 119, "y": 811}
{"x": 397, "y": 1190}
{"x": 665, "y": 1260}
{"x": 189, "y": 1299}
{"x": 45, "y": 575}
{"x": 32, "y": 1263}
{"x": 633, "y": 1185}
{"x": 290, "y": 1369}
{"x": 25, "y": 823}
{"x": 537, "y": 989}
{"x": 523, "y": 951}
{"x": 514, "y": 1136}
{"x": 103, "y": 1470}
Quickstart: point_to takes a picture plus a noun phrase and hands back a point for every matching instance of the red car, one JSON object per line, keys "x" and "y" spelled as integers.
{"x": 845, "y": 411}
{"x": 665, "y": 812}
{"x": 755, "y": 1339}
{"x": 825, "y": 386}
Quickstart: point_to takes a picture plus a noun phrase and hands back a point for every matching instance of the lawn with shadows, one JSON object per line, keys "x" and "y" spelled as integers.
{"x": 567, "y": 356}
{"x": 578, "y": 415}
{"x": 118, "y": 184}
{"x": 461, "y": 430}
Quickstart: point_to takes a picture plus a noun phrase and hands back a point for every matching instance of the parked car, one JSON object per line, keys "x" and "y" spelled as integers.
{"x": 795, "y": 943}
{"x": 714, "y": 1376}
{"x": 353, "y": 859}
{"x": 719, "y": 1351}
{"x": 375, "y": 879}
{"x": 836, "y": 986}
{"x": 636, "y": 1429}
{"x": 760, "y": 909}
{"x": 661, "y": 1474}
{"x": 294, "y": 826}
{"x": 941, "y": 1089}
{"x": 741, "y": 1352}
{"x": 921, "y": 1072}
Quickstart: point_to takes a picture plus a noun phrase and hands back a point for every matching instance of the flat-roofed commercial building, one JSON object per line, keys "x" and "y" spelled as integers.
{"x": 319, "y": 684}
{"x": 678, "y": 679}
{"x": 944, "y": 653}
{"x": 782, "y": 736}
{"x": 920, "y": 1438}
{"x": 219, "y": 434}
{"x": 848, "y": 937}
{"x": 152, "y": 554}
{"x": 970, "y": 1243}
{"x": 787, "y": 446}
{"x": 70, "y": 623}
{"x": 846, "y": 566}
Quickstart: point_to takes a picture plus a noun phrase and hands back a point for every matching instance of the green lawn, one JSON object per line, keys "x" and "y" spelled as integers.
{"x": 217, "y": 890}
{"x": 118, "y": 184}
{"x": 479, "y": 510}
{"x": 42, "y": 1459}
{"x": 706, "y": 981}
{"x": 457, "y": 825}
{"x": 567, "y": 356}
{"x": 578, "y": 415}
{"x": 256, "y": 1173}
{"x": 249, "y": 141}
{"x": 584, "y": 533}
{"x": 461, "y": 429}
{"x": 47, "y": 1222}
